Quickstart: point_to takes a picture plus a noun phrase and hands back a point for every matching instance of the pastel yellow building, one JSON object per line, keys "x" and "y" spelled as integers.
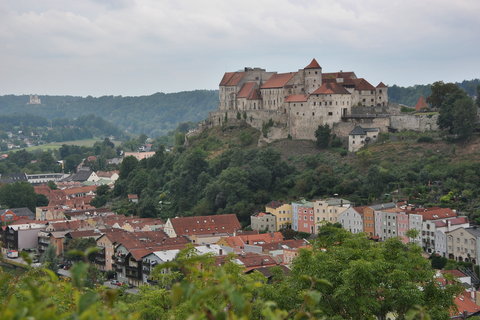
{"x": 282, "y": 212}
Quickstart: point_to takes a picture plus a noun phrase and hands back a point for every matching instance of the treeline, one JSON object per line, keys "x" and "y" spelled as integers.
{"x": 409, "y": 95}
{"x": 154, "y": 115}
{"x": 343, "y": 276}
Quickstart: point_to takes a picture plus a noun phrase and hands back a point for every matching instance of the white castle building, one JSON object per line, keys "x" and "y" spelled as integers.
{"x": 296, "y": 102}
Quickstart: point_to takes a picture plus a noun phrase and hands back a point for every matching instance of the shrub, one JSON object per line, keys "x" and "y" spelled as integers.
{"x": 425, "y": 139}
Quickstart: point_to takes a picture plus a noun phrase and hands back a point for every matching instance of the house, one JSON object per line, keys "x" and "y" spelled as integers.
{"x": 13, "y": 177}
{"x": 359, "y": 137}
{"x": 246, "y": 242}
{"x": 16, "y": 214}
{"x": 442, "y": 227}
{"x": 250, "y": 261}
{"x": 304, "y": 213}
{"x": 139, "y": 155}
{"x": 20, "y": 236}
{"x": 215, "y": 225}
{"x": 40, "y": 178}
{"x": 282, "y": 212}
{"x": 352, "y": 219}
{"x": 132, "y": 198}
{"x": 463, "y": 244}
{"x": 83, "y": 174}
{"x": 262, "y": 221}
{"x": 328, "y": 210}
{"x": 53, "y": 238}
{"x": 296, "y": 211}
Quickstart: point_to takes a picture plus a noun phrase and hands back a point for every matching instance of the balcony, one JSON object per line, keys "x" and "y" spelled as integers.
{"x": 132, "y": 273}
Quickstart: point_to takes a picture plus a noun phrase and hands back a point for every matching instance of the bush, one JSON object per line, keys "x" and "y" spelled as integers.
{"x": 246, "y": 139}
{"x": 406, "y": 109}
{"x": 425, "y": 139}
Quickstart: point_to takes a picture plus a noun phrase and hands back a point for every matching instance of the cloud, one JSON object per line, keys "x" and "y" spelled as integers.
{"x": 174, "y": 45}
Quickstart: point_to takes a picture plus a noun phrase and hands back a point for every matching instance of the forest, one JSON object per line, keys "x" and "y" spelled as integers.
{"x": 343, "y": 276}
{"x": 153, "y": 115}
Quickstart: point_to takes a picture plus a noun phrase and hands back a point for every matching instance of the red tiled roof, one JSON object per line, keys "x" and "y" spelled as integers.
{"x": 290, "y": 244}
{"x": 454, "y": 221}
{"x": 331, "y": 88}
{"x": 455, "y": 273}
{"x": 254, "y": 95}
{"x": 246, "y": 89}
{"x": 360, "y": 209}
{"x": 250, "y": 260}
{"x": 132, "y": 196}
{"x": 421, "y": 104}
{"x": 222, "y": 223}
{"x": 231, "y": 78}
{"x": 362, "y": 84}
{"x": 343, "y": 75}
{"x": 381, "y": 85}
{"x": 435, "y": 213}
{"x": 296, "y": 98}
{"x": 75, "y": 190}
{"x": 106, "y": 174}
{"x": 313, "y": 65}
{"x": 278, "y": 80}
{"x": 465, "y": 304}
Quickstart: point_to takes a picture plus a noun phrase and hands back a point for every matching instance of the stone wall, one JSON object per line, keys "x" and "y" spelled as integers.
{"x": 342, "y": 129}
{"x": 414, "y": 122}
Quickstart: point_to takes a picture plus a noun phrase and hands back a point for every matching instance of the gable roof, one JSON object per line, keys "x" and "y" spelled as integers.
{"x": 296, "y": 98}
{"x": 381, "y": 85}
{"x": 246, "y": 89}
{"x": 222, "y": 223}
{"x": 331, "y": 88}
{"x": 435, "y": 213}
{"x": 278, "y": 80}
{"x": 313, "y": 65}
{"x": 421, "y": 104}
{"x": 341, "y": 74}
{"x": 362, "y": 84}
{"x": 231, "y": 78}
{"x": 22, "y": 212}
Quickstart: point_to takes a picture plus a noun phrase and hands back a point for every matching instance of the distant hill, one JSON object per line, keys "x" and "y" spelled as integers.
{"x": 409, "y": 95}
{"x": 153, "y": 115}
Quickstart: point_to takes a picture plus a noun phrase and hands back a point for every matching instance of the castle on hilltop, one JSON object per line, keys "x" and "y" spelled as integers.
{"x": 297, "y": 101}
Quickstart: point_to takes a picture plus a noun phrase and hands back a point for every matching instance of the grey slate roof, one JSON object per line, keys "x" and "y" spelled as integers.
{"x": 474, "y": 231}
{"x": 358, "y": 130}
{"x": 381, "y": 206}
{"x": 13, "y": 177}
{"x": 81, "y": 175}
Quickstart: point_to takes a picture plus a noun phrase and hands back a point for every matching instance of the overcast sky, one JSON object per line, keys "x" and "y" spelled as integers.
{"x": 139, "y": 47}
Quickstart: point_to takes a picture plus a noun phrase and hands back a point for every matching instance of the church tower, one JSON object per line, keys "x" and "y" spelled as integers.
{"x": 313, "y": 76}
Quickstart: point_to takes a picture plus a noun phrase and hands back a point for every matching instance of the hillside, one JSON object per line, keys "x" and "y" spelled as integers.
{"x": 153, "y": 115}
{"x": 223, "y": 171}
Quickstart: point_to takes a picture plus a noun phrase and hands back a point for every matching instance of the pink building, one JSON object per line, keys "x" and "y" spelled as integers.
{"x": 402, "y": 226}
{"x": 306, "y": 219}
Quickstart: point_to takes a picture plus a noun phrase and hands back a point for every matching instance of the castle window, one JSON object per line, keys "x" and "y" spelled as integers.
{"x": 314, "y": 103}
{"x": 294, "y": 104}
{"x": 316, "y": 72}
{"x": 313, "y": 113}
{"x": 330, "y": 113}
{"x": 363, "y": 100}
{"x": 301, "y": 104}
{"x": 371, "y": 92}
{"x": 330, "y": 102}
{"x": 380, "y": 91}
{"x": 297, "y": 113}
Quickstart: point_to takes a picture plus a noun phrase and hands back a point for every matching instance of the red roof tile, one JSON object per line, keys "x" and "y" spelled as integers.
{"x": 331, "y": 88}
{"x": 381, "y": 85}
{"x": 254, "y": 95}
{"x": 296, "y": 98}
{"x": 231, "y": 78}
{"x": 313, "y": 65}
{"x": 465, "y": 304}
{"x": 222, "y": 223}
{"x": 421, "y": 104}
{"x": 435, "y": 213}
{"x": 362, "y": 84}
{"x": 247, "y": 89}
{"x": 278, "y": 80}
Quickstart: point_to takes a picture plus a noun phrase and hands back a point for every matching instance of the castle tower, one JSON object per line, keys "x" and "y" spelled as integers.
{"x": 313, "y": 77}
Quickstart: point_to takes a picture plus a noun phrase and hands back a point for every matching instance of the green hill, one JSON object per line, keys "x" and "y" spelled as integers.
{"x": 153, "y": 115}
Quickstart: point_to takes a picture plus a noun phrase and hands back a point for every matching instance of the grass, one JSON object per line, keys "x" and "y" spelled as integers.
{"x": 57, "y": 145}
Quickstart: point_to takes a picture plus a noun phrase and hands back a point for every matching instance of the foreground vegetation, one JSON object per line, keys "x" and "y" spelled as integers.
{"x": 343, "y": 276}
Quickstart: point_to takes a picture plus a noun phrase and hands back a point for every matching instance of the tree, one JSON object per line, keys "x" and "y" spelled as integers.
{"x": 18, "y": 195}
{"x": 128, "y": 165}
{"x": 464, "y": 118}
{"x": 323, "y": 134}
{"x": 49, "y": 258}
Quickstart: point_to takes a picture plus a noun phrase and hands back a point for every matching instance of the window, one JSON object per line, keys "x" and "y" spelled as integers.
{"x": 330, "y": 113}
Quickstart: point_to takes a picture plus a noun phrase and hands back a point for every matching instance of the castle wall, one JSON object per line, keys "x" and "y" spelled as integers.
{"x": 342, "y": 129}
{"x": 414, "y": 122}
